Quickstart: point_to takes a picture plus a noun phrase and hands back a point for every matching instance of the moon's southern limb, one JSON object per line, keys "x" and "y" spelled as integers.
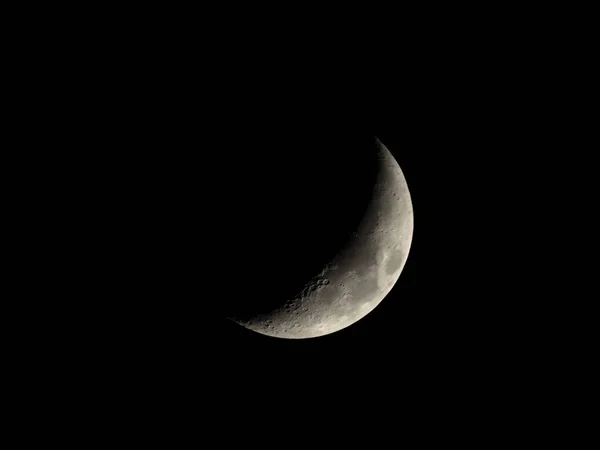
{"x": 358, "y": 278}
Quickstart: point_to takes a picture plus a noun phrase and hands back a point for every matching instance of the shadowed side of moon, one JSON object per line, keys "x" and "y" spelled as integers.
{"x": 359, "y": 234}
{"x": 306, "y": 204}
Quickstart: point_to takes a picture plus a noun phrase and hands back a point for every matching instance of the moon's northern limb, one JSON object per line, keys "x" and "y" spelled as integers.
{"x": 360, "y": 275}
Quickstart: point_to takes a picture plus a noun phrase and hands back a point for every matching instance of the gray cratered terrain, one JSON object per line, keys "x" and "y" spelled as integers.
{"x": 357, "y": 279}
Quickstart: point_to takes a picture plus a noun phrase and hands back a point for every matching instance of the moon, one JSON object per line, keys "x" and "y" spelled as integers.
{"x": 360, "y": 275}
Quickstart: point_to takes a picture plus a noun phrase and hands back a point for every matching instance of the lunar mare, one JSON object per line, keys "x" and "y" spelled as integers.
{"x": 360, "y": 275}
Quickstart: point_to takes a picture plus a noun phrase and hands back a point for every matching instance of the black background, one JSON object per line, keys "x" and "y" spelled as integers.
{"x": 163, "y": 220}
{"x": 136, "y": 271}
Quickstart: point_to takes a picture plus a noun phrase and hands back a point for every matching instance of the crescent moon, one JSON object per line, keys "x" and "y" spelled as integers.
{"x": 359, "y": 277}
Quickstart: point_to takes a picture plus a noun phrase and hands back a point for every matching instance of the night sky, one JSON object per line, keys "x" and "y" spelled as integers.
{"x": 170, "y": 205}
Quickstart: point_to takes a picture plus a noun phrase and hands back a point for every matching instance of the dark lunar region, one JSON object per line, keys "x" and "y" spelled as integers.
{"x": 234, "y": 224}
{"x": 299, "y": 215}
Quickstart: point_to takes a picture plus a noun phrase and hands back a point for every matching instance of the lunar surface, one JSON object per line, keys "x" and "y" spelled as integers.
{"x": 360, "y": 275}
